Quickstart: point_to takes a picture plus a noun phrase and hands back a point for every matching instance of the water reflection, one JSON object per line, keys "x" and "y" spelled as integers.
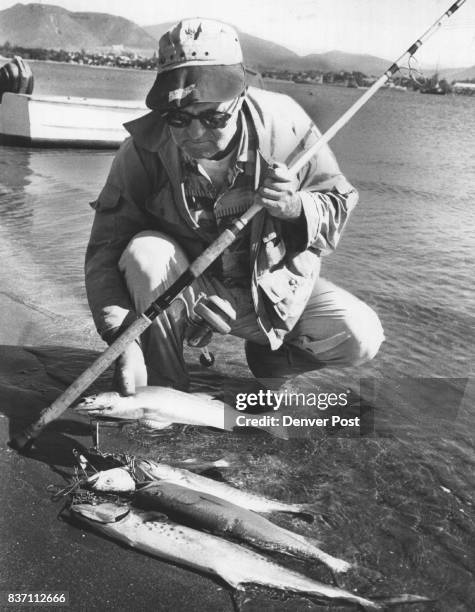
{"x": 45, "y": 220}
{"x": 15, "y": 175}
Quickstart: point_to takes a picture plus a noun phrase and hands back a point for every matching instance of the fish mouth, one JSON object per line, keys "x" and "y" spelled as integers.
{"x": 101, "y": 513}
{"x": 88, "y": 405}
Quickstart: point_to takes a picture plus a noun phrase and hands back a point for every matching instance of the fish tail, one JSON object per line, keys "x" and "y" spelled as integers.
{"x": 403, "y": 598}
{"x": 307, "y": 512}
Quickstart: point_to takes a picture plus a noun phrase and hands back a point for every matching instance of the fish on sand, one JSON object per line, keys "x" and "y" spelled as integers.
{"x": 154, "y": 470}
{"x": 218, "y": 516}
{"x": 159, "y": 407}
{"x": 118, "y": 480}
{"x": 236, "y": 565}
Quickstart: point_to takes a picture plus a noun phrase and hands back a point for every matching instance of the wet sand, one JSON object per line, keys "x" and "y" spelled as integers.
{"x": 40, "y": 552}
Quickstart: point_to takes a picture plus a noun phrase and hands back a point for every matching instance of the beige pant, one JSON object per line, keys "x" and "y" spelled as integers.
{"x": 336, "y": 328}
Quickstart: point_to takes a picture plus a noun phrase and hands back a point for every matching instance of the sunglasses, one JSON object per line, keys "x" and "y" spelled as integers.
{"x": 210, "y": 118}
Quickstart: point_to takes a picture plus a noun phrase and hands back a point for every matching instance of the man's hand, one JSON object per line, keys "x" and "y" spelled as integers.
{"x": 278, "y": 193}
{"x": 130, "y": 370}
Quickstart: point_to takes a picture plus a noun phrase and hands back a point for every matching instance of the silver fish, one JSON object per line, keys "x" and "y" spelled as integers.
{"x": 252, "y": 501}
{"x": 116, "y": 479}
{"x": 160, "y": 407}
{"x": 221, "y": 517}
{"x": 235, "y": 564}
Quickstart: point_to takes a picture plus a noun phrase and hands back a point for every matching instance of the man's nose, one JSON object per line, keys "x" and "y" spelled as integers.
{"x": 196, "y": 129}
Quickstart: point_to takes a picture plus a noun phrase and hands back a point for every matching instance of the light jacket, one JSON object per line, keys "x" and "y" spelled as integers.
{"x": 144, "y": 191}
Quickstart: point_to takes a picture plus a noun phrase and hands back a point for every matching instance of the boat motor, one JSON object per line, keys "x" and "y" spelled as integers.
{"x": 16, "y": 77}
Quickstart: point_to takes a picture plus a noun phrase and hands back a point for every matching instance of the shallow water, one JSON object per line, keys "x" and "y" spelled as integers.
{"x": 403, "y": 500}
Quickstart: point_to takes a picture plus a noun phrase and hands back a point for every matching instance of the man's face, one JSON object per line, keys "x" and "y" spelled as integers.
{"x": 200, "y": 141}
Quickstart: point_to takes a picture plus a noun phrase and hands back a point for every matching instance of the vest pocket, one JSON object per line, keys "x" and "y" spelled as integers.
{"x": 288, "y": 292}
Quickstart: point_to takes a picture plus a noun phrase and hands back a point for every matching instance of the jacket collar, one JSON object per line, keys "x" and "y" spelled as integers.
{"x": 149, "y": 131}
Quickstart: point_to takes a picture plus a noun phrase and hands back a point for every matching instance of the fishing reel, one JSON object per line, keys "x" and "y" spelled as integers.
{"x": 210, "y": 314}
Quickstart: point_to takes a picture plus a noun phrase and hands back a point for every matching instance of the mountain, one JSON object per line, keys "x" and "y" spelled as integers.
{"x": 263, "y": 54}
{"x": 52, "y": 27}
{"x": 336, "y": 61}
{"x": 458, "y": 74}
{"x": 258, "y": 53}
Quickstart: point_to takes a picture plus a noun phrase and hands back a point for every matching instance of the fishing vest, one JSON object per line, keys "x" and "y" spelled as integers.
{"x": 214, "y": 208}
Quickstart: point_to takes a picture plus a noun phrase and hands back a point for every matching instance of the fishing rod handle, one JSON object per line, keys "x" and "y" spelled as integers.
{"x": 62, "y": 402}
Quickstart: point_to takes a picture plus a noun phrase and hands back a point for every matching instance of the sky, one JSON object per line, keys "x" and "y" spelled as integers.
{"x": 385, "y": 28}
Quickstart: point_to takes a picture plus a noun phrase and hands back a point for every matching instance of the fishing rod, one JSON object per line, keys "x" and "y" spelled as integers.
{"x": 209, "y": 255}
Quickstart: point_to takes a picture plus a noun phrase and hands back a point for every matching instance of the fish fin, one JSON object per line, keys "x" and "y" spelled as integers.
{"x": 150, "y": 516}
{"x": 101, "y": 513}
{"x": 221, "y": 463}
{"x": 203, "y": 395}
{"x": 204, "y": 466}
{"x": 307, "y": 539}
{"x": 191, "y": 495}
{"x": 154, "y": 423}
{"x": 307, "y": 512}
{"x": 403, "y": 598}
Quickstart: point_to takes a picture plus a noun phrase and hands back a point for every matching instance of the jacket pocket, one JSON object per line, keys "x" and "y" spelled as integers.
{"x": 108, "y": 199}
{"x": 288, "y": 292}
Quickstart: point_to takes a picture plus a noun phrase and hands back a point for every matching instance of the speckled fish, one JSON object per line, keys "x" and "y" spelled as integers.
{"x": 160, "y": 407}
{"x": 218, "y": 516}
{"x": 154, "y": 470}
{"x": 204, "y": 552}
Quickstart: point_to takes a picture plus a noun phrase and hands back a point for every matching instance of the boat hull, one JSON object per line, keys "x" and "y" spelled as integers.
{"x": 47, "y": 121}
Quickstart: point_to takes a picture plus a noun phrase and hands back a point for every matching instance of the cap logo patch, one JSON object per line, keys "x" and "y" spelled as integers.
{"x": 182, "y": 92}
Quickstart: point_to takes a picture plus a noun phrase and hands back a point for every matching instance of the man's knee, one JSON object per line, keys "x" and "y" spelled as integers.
{"x": 153, "y": 254}
{"x": 150, "y": 263}
{"x": 366, "y": 337}
{"x": 356, "y": 343}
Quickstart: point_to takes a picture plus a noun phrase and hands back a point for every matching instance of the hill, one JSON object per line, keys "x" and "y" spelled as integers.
{"x": 52, "y": 27}
{"x": 459, "y": 74}
{"x": 263, "y": 54}
{"x": 258, "y": 53}
{"x": 335, "y": 61}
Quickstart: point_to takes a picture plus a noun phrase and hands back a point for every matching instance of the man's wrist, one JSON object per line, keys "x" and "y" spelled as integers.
{"x": 295, "y": 211}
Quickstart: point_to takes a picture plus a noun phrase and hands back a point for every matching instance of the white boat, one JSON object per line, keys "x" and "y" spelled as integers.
{"x": 58, "y": 121}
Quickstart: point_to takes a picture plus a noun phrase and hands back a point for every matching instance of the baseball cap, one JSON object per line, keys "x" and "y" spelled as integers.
{"x": 199, "y": 60}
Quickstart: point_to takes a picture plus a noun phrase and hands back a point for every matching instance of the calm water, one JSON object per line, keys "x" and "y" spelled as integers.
{"x": 408, "y": 251}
